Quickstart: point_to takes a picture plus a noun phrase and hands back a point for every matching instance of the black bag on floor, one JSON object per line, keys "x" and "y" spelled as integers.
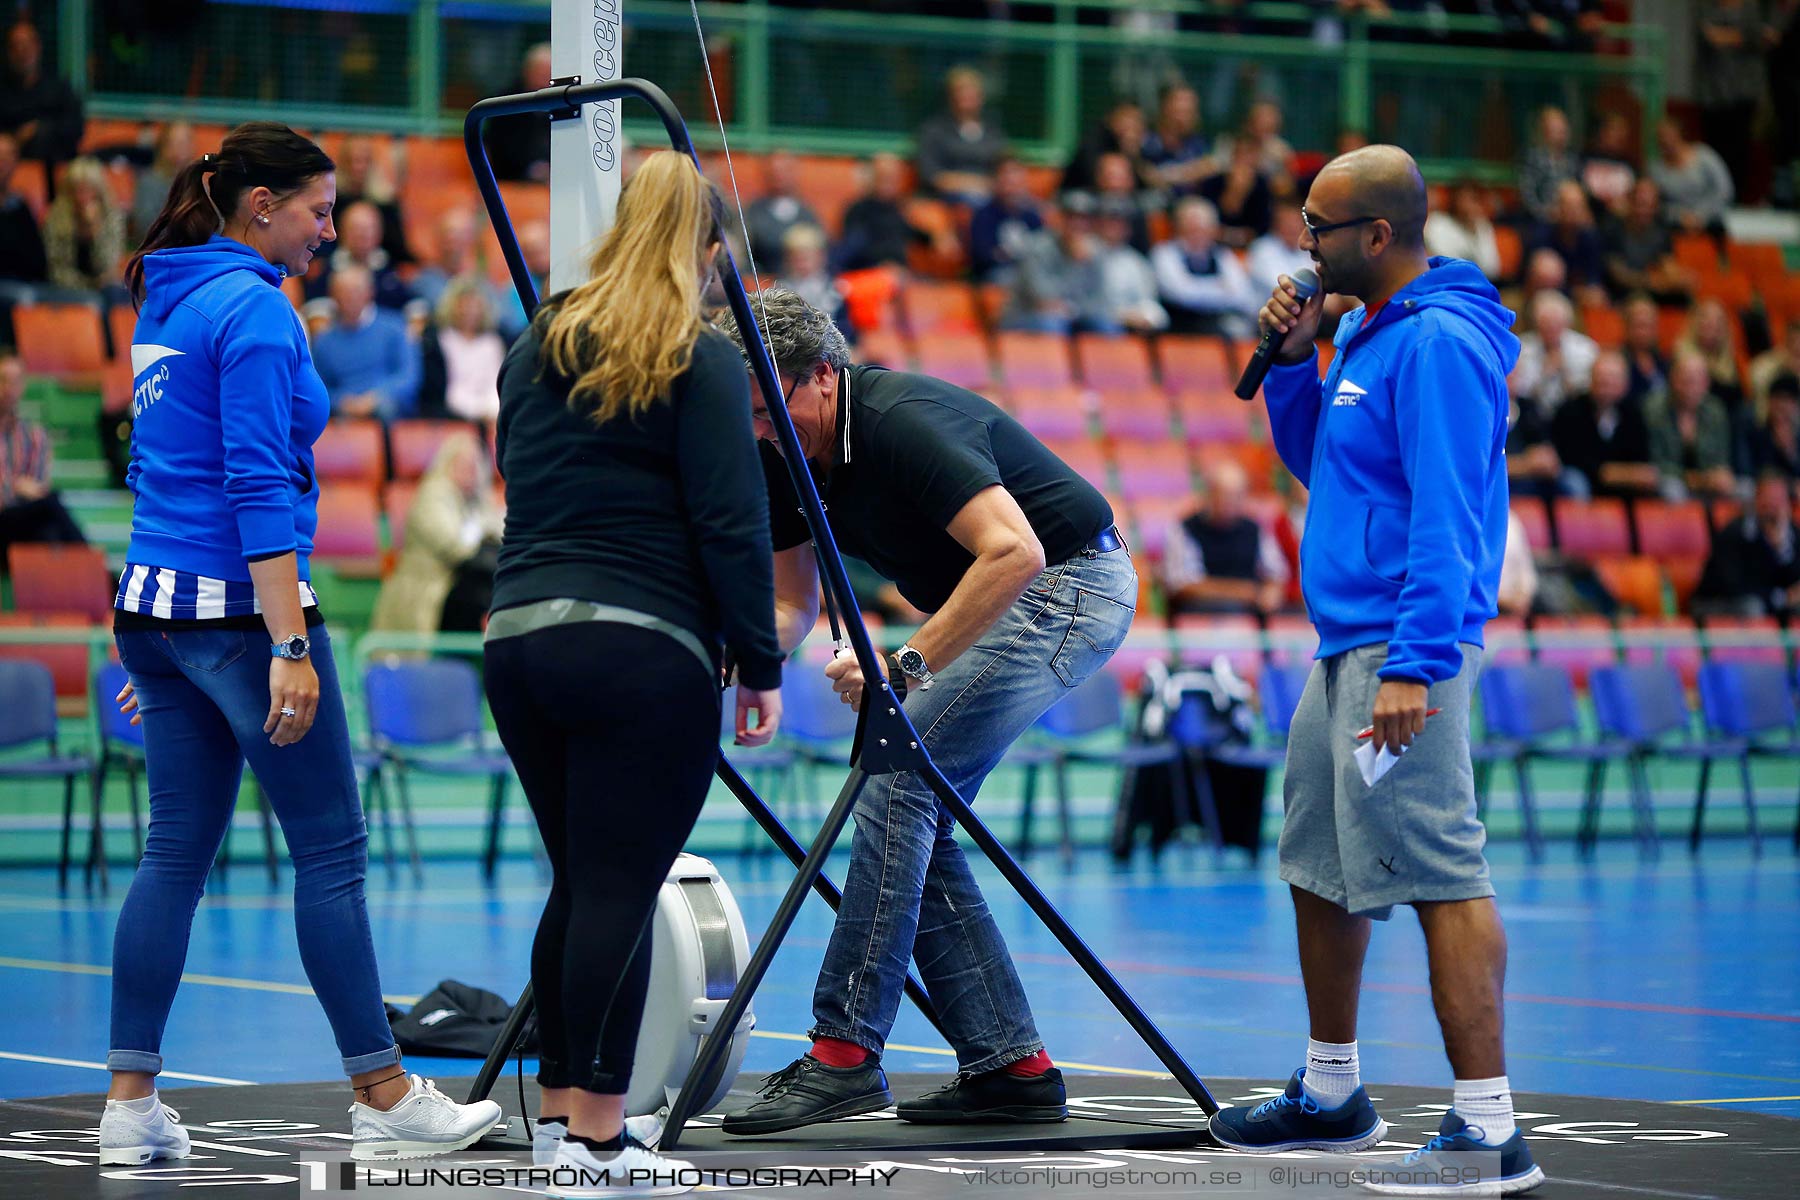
{"x": 455, "y": 1020}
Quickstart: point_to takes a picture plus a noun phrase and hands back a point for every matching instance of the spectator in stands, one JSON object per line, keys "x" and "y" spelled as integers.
{"x": 1123, "y": 132}
{"x": 1555, "y": 360}
{"x": 1533, "y": 468}
{"x": 1219, "y": 560}
{"x": 1549, "y": 163}
{"x": 1690, "y": 434}
{"x": 461, "y": 355}
{"x": 445, "y": 577}
{"x": 1572, "y": 234}
{"x": 359, "y": 243}
{"x": 1696, "y": 184}
{"x": 1544, "y": 272}
{"x": 30, "y": 509}
{"x": 1728, "y": 80}
{"x": 1127, "y": 283}
{"x": 1270, "y": 154}
{"x": 1057, "y": 282}
{"x": 519, "y": 146}
{"x": 1518, "y": 571}
{"x": 369, "y": 365}
{"x": 1557, "y": 24}
{"x": 174, "y": 150}
{"x": 1754, "y": 568}
{"x": 84, "y": 233}
{"x": 1782, "y": 36}
{"x": 1242, "y": 196}
{"x": 1601, "y": 438}
{"x": 455, "y": 257}
{"x": 38, "y": 108}
{"x": 960, "y": 147}
{"x": 1640, "y": 249}
{"x": 22, "y": 258}
{"x": 1204, "y": 287}
{"x": 998, "y": 227}
{"x": 876, "y": 231}
{"x": 1783, "y": 358}
{"x": 1776, "y": 447}
{"x": 1175, "y": 146}
{"x": 806, "y": 272}
{"x": 362, "y": 178}
{"x": 1277, "y": 252}
{"x": 768, "y": 218}
{"x": 1709, "y": 335}
{"x": 534, "y": 246}
{"x": 1116, "y": 189}
{"x": 1465, "y": 230}
{"x": 1643, "y": 349}
{"x": 1610, "y": 166}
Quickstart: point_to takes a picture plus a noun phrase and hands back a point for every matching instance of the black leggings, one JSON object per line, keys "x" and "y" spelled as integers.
{"x": 614, "y": 731}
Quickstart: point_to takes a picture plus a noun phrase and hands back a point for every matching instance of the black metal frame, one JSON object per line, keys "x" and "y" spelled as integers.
{"x": 885, "y": 739}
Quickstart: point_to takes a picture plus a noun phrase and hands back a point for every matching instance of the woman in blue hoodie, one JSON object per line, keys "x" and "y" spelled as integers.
{"x": 220, "y": 634}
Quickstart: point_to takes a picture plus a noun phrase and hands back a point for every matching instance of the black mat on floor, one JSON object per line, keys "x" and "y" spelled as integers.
{"x": 292, "y": 1140}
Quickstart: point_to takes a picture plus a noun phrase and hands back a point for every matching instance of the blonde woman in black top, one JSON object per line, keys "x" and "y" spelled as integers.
{"x": 636, "y": 554}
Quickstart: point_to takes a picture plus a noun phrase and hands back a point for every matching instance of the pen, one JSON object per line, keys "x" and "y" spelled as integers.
{"x": 1370, "y": 731}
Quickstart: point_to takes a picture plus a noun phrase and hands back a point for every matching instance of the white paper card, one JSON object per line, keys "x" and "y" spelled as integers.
{"x": 1374, "y": 764}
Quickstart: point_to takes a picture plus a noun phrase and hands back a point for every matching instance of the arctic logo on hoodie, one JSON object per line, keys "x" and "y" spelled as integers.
{"x": 145, "y": 355}
{"x": 1347, "y": 395}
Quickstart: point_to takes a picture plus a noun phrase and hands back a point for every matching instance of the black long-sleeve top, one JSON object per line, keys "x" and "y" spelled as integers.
{"x": 665, "y": 513}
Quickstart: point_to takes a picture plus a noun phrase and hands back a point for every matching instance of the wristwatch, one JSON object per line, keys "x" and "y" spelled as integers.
{"x": 912, "y": 664}
{"x": 296, "y": 647}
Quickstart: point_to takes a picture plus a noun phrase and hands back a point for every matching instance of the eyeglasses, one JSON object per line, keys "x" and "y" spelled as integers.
{"x": 1319, "y": 231}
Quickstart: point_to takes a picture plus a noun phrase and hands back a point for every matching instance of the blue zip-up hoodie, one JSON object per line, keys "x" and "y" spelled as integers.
{"x": 1403, "y": 450}
{"x": 227, "y": 409}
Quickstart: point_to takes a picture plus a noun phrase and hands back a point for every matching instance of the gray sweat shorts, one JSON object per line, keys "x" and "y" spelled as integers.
{"x": 1414, "y": 835}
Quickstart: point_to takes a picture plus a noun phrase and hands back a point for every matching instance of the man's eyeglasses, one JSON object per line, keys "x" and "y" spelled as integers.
{"x": 1319, "y": 231}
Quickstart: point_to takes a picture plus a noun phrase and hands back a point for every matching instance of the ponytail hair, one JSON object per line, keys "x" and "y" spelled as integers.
{"x": 206, "y": 191}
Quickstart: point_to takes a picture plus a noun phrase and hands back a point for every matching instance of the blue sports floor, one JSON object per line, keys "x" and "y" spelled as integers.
{"x": 1676, "y": 981}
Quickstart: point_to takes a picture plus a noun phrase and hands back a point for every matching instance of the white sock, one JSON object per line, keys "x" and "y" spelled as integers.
{"x": 1332, "y": 1072}
{"x": 1487, "y": 1105}
{"x": 142, "y": 1107}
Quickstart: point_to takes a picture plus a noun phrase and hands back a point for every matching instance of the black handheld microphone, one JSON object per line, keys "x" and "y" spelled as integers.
{"x": 1306, "y": 286}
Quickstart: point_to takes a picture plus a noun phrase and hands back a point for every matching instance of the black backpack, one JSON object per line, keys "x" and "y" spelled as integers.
{"x": 455, "y": 1020}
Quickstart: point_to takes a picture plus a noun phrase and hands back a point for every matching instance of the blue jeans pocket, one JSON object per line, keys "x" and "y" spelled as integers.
{"x": 1098, "y": 628}
{"x": 208, "y": 650}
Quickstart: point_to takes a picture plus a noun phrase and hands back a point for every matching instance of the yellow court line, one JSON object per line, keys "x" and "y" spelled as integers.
{"x": 100, "y": 1066}
{"x": 1739, "y": 1100}
{"x": 224, "y": 981}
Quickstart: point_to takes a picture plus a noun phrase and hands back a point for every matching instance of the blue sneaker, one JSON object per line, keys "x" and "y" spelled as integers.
{"x": 1458, "y": 1163}
{"x": 1294, "y": 1121}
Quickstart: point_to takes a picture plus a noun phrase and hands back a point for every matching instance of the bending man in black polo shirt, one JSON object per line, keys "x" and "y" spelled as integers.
{"x": 953, "y": 500}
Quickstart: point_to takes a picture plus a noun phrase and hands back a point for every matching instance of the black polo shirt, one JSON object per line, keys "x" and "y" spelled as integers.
{"x": 916, "y": 451}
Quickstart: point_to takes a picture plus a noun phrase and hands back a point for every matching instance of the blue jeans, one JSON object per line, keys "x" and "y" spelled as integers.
{"x": 909, "y": 893}
{"x": 204, "y": 695}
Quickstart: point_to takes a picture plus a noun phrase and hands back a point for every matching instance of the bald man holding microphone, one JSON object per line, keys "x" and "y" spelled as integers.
{"x": 1402, "y": 448}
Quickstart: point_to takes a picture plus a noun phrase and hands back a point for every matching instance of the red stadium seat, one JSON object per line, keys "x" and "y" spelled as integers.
{"x": 959, "y": 358}
{"x": 933, "y": 307}
{"x": 415, "y": 443}
{"x": 60, "y": 340}
{"x": 1744, "y": 639}
{"x": 884, "y": 347}
{"x": 396, "y": 506}
{"x": 1153, "y": 469}
{"x": 1666, "y": 530}
{"x": 349, "y": 533}
{"x": 1114, "y": 363}
{"x": 121, "y": 322}
{"x": 67, "y": 662}
{"x": 1578, "y": 644}
{"x": 60, "y": 578}
{"x": 1217, "y": 417}
{"x": 1673, "y": 640}
{"x": 1141, "y": 413}
{"x": 1033, "y": 360}
{"x": 1058, "y": 412}
{"x": 1536, "y": 520}
{"x": 351, "y": 450}
{"x": 1590, "y": 529}
{"x": 1195, "y": 364}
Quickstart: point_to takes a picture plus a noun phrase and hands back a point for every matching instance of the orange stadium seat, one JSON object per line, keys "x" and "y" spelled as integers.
{"x": 1605, "y": 325}
{"x": 1635, "y": 581}
{"x": 887, "y": 348}
{"x": 1536, "y": 519}
{"x": 1033, "y": 359}
{"x": 1195, "y": 364}
{"x": 1592, "y": 529}
{"x": 351, "y": 450}
{"x": 938, "y": 306}
{"x": 349, "y": 533}
{"x": 1133, "y": 412}
{"x": 1113, "y": 363}
{"x": 67, "y": 662}
{"x": 1050, "y": 412}
{"x": 60, "y": 578}
{"x": 60, "y": 340}
{"x": 1153, "y": 469}
{"x": 1218, "y": 417}
{"x": 959, "y": 358}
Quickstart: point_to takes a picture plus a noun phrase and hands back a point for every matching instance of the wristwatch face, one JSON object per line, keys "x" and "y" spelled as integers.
{"x": 294, "y": 647}
{"x": 912, "y": 662}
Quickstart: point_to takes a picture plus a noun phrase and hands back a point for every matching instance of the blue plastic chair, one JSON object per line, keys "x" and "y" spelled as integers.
{"x": 28, "y": 716}
{"x": 426, "y": 715}
{"x": 121, "y": 745}
{"x": 1281, "y": 687}
{"x": 1750, "y": 703}
{"x": 1530, "y": 712}
{"x": 1096, "y": 707}
{"x": 1645, "y": 706}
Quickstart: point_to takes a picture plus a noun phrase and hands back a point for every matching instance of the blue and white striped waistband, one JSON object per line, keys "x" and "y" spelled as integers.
{"x": 183, "y": 596}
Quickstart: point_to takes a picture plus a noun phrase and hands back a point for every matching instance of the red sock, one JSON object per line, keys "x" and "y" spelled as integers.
{"x": 835, "y": 1052}
{"x": 1037, "y": 1064}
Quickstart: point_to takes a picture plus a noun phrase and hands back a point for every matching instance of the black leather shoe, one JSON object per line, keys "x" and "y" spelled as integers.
{"x": 806, "y": 1092}
{"x": 991, "y": 1096}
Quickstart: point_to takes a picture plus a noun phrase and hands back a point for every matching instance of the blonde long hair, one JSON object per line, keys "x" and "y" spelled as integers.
{"x": 629, "y": 331}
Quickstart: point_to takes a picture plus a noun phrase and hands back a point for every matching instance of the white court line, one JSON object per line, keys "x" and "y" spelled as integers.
{"x": 94, "y": 1066}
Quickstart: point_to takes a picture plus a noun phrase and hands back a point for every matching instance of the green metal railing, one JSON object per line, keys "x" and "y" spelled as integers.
{"x": 853, "y": 83}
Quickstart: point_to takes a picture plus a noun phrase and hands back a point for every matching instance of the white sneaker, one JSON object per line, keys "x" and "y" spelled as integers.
{"x": 130, "y": 1139}
{"x": 424, "y": 1124}
{"x": 545, "y": 1135}
{"x": 578, "y": 1173}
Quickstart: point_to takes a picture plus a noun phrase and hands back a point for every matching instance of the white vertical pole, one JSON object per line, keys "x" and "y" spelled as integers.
{"x": 586, "y": 40}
